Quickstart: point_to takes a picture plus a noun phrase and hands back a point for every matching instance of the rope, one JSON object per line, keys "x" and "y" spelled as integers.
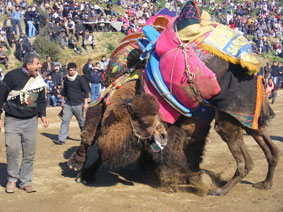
{"x": 190, "y": 75}
{"x": 140, "y": 137}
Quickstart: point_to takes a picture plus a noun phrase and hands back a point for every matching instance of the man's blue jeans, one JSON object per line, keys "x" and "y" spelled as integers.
{"x": 17, "y": 22}
{"x": 31, "y": 29}
{"x": 95, "y": 91}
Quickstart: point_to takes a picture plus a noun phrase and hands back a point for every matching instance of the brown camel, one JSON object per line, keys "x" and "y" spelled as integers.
{"x": 128, "y": 125}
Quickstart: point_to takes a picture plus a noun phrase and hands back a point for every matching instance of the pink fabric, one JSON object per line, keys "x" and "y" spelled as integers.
{"x": 205, "y": 80}
{"x": 167, "y": 113}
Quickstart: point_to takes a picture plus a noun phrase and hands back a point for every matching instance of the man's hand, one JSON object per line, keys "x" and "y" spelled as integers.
{"x": 45, "y": 121}
{"x": 85, "y": 107}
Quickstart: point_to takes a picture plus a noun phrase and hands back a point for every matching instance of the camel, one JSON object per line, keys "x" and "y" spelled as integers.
{"x": 194, "y": 130}
{"x": 127, "y": 127}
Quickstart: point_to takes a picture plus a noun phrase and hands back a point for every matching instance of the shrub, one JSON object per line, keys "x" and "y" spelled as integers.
{"x": 47, "y": 47}
{"x": 42, "y": 17}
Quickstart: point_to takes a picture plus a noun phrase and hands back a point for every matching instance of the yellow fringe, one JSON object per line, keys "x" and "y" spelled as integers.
{"x": 252, "y": 67}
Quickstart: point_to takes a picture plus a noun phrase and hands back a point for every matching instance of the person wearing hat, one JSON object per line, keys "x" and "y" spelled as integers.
{"x": 3, "y": 58}
{"x": 17, "y": 17}
{"x": 74, "y": 101}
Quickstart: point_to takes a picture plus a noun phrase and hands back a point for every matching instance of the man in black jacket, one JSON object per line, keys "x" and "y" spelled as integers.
{"x": 22, "y": 96}
{"x": 75, "y": 93}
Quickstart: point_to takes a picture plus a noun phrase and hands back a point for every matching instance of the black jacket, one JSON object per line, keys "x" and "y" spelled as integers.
{"x": 75, "y": 91}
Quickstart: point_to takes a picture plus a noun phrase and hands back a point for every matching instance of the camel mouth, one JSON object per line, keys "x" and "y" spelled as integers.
{"x": 161, "y": 139}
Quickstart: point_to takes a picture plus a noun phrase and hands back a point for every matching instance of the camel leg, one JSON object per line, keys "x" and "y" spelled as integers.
{"x": 93, "y": 119}
{"x": 87, "y": 174}
{"x": 232, "y": 133}
{"x": 271, "y": 153}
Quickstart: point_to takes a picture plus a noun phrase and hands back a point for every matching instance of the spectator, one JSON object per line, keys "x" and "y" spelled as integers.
{"x": 17, "y": 17}
{"x": 21, "y": 49}
{"x": 87, "y": 69}
{"x": 73, "y": 44}
{"x": 8, "y": 23}
{"x": 70, "y": 26}
{"x": 56, "y": 76}
{"x": 75, "y": 92}
{"x": 3, "y": 58}
{"x": 275, "y": 74}
{"x": 103, "y": 62}
{"x": 56, "y": 95}
{"x": 29, "y": 17}
{"x": 50, "y": 84}
{"x": 4, "y": 40}
{"x": 271, "y": 91}
{"x": 21, "y": 120}
{"x": 267, "y": 71}
{"x": 10, "y": 37}
{"x": 80, "y": 31}
{"x": 96, "y": 81}
{"x": 47, "y": 67}
{"x": 25, "y": 39}
{"x": 89, "y": 40}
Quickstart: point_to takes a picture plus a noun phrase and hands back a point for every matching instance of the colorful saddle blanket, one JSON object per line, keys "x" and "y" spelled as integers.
{"x": 175, "y": 58}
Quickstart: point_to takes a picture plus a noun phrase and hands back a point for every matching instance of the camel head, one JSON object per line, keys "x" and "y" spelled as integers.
{"x": 145, "y": 120}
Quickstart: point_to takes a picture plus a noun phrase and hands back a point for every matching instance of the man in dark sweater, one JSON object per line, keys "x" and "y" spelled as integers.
{"x": 22, "y": 96}
{"x": 75, "y": 93}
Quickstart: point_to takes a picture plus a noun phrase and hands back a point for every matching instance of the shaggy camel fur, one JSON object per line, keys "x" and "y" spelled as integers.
{"x": 127, "y": 127}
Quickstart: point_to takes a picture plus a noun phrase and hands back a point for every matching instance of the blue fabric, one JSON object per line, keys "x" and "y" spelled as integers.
{"x": 204, "y": 113}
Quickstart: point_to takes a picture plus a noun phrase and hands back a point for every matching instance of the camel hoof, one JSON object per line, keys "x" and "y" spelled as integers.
{"x": 78, "y": 178}
{"x": 76, "y": 162}
{"x": 262, "y": 185}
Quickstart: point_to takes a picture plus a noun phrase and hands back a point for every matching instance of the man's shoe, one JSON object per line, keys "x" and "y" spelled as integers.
{"x": 10, "y": 187}
{"x": 58, "y": 142}
{"x": 28, "y": 189}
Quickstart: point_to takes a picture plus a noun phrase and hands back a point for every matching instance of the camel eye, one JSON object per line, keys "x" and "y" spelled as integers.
{"x": 144, "y": 123}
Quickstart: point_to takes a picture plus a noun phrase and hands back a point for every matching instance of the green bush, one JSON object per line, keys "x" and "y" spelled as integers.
{"x": 110, "y": 48}
{"x": 46, "y": 47}
{"x": 42, "y": 17}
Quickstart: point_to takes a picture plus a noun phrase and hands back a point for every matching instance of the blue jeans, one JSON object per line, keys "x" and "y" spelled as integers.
{"x": 56, "y": 101}
{"x": 20, "y": 134}
{"x": 68, "y": 113}
{"x": 95, "y": 91}
{"x": 17, "y": 22}
{"x": 31, "y": 29}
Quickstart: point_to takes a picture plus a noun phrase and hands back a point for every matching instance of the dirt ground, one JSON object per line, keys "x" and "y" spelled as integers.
{"x": 58, "y": 191}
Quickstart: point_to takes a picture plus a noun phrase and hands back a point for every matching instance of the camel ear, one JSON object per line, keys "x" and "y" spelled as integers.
{"x": 131, "y": 108}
